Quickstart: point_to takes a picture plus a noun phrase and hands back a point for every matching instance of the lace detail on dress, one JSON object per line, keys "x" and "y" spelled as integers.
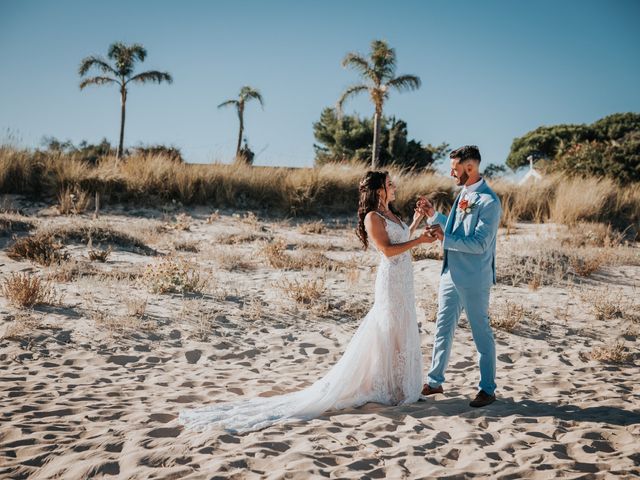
{"x": 382, "y": 362}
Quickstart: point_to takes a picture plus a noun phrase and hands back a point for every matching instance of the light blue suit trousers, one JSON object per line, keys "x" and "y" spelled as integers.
{"x": 468, "y": 273}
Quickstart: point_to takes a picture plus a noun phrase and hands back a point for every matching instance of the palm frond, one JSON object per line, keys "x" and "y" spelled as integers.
{"x": 89, "y": 62}
{"x": 97, "y": 81}
{"x": 405, "y": 82}
{"x": 249, "y": 93}
{"x": 357, "y": 62}
{"x": 228, "y": 103}
{"x": 137, "y": 50}
{"x": 151, "y": 76}
{"x": 350, "y": 92}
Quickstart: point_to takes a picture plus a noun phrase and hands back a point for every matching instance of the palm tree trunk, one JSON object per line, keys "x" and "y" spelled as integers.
{"x": 376, "y": 139}
{"x": 123, "y": 100}
{"x": 240, "y": 117}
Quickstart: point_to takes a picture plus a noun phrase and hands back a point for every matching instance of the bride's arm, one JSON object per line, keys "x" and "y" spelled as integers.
{"x": 417, "y": 219}
{"x": 378, "y": 234}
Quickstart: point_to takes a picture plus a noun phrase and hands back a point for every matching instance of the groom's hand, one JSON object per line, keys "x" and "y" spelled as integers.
{"x": 436, "y": 231}
{"x": 425, "y": 207}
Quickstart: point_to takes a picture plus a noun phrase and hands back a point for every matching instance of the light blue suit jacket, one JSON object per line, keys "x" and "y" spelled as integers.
{"x": 470, "y": 241}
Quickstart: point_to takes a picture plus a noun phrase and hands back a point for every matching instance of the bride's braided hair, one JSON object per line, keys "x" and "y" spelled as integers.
{"x": 369, "y": 201}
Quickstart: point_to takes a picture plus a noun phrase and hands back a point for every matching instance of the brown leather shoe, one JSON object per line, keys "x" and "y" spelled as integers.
{"x": 428, "y": 390}
{"x": 482, "y": 399}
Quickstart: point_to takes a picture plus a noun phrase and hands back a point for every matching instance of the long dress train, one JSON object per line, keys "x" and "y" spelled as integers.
{"x": 382, "y": 362}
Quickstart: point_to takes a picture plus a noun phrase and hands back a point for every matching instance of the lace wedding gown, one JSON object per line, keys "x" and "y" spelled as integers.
{"x": 382, "y": 363}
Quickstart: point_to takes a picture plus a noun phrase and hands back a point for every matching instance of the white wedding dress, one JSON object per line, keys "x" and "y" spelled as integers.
{"x": 382, "y": 363}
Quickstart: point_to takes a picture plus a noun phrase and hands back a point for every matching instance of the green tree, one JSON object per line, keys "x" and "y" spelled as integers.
{"x": 608, "y": 147}
{"x": 348, "y": 137}
{"x": 493, "y": 171}
{"x": 84, "y": 151}
{"x": 378, "y": 73}
{"x": 246, "y": 94}
{"x": 121, "y": 74}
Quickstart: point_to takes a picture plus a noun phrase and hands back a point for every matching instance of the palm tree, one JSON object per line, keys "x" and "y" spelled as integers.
{"x": 246, "y": 94}
{"x": 124, "y": 58}
{"x": 378, "y": 72}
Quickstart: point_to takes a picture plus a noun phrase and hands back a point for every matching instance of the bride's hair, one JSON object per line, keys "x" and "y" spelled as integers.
{"x": 369, "y": 201}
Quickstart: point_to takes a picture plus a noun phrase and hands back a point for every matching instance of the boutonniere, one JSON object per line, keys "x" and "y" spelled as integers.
{"x": 464, "y": 207}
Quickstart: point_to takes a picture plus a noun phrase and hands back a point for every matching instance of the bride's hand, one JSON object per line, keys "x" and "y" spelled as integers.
{"x": 427, "y": 236}
{"x": 417, "y": 215}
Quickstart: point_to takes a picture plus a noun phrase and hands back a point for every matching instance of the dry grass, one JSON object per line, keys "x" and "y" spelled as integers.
{"x": 90, "y": 233}
{"x": 596, "y": 235}
{"x": 587, "y": 264}
{"x": 136, "y": 307}
{"x": 355, "y": 310}
{"x": 562, "y": 200}
{"x": 26, "y": 290}
{"x": 174, "y": 275}
{"x": 312, "y": 227}
{"x": 21, "y": 328}
{"x": 506, "y": 316}
{"x": 430, "y": 252}
{"x": 11, "y": 223}
{"x": 253, "y": 309}
{"x": 213, "y": 217}
{"x": 611, "y": 353}
{"x": 533, "y": 264}
{"x": 552, "y": 260}
{"x": 327, "y": 190}
{"x": 199, "y": 317}
{"x": 181, "y": 222}
{"x": 73, "y": 201}
{"x": 238, "y": 238}
{"x": 38, "y": 248}
{"x": 303, "y": 292}
{"x": 123, "y": 325}
{"x": 98, "y": 254}
{"x": 612, "y": 305}
{"x": 186, "y": 246}
{"x": 70, "y": 271}
{"x": 277, "y": 256}
{"x": 231, "y": 261}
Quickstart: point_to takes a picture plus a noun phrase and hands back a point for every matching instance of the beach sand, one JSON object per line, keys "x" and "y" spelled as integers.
{"x": 91, "y": 386}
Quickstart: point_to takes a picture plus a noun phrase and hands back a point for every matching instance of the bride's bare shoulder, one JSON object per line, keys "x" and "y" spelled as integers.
{"x": 373, "y": 218}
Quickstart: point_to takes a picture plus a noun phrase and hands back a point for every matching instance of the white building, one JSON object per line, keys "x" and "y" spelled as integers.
{"x": 531, "y": 175}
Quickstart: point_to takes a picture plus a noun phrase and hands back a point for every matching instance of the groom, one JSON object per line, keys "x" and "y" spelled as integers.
{"x": 468, "y": 271}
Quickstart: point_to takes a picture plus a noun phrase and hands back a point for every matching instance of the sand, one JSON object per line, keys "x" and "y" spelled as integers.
{"x": 91, "y": 390}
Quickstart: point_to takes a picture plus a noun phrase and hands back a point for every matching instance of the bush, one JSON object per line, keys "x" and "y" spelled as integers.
{"x": 38, "y": 248}
{"x": 25, "y": 290}
{"x": 174, "y": 275}
{"x": 609, "y": 147}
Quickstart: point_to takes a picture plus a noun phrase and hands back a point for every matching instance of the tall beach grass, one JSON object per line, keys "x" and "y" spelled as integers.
{"x": 328, "y": 190}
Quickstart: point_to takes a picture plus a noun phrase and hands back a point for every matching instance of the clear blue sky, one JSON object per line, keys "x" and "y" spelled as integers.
{"x": 491, "y": 70}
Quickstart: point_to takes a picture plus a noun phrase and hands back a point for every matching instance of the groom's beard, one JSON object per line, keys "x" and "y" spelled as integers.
{"x": 462, "y": 179}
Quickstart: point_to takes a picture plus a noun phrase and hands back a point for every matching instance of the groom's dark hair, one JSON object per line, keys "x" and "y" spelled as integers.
{"x": 468, "y": 152}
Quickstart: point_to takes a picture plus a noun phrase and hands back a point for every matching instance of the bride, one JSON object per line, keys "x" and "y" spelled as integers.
{"x": 382, "y": 363}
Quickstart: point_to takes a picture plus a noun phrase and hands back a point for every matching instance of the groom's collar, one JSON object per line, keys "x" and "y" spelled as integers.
{"x": 473, "y": 187}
